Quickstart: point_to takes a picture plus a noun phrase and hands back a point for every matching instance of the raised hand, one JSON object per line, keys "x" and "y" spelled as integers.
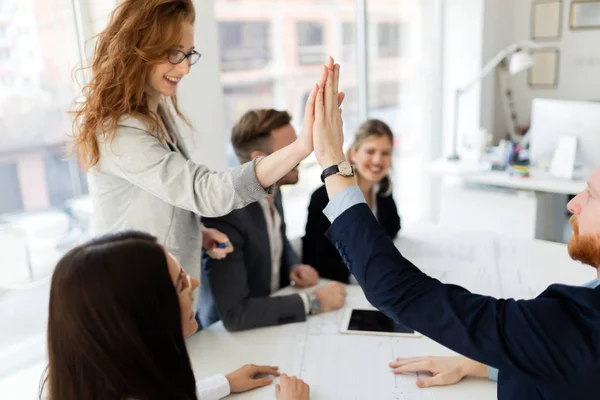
{"x": 328, "y": 136}
{"x": 306, "y": 137}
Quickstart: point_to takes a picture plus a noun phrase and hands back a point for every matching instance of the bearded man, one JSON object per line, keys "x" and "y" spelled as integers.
{"x": 547, "y": 348}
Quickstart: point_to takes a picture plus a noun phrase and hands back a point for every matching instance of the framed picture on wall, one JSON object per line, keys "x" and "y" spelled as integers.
{"x": 585, "y": 14}
{"x": 544, "y": 73}
{"x": 546, "y": 19}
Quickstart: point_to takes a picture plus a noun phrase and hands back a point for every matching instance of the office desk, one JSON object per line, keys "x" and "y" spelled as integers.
{"x": 539, "y": 181}
{"x": 532, "y": 208}
{"x": 483, "y": 263}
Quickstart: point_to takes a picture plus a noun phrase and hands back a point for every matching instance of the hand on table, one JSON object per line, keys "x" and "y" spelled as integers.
{"x": 250, "y": 377}
{"x": 304, "y": 276}
{"x": 291, "y": 388}
{"x": 445, "y": 370}
{"x": 332, "y": 296}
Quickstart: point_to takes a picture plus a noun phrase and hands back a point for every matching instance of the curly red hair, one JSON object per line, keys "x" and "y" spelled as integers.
{"x": 139, "y": 34}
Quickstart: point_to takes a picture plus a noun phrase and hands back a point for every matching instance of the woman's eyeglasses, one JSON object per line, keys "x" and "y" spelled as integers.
{"x": 177, "y": 57}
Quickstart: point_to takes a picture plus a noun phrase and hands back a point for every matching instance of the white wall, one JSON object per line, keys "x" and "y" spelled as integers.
{"x": 579, "y": 72}
{"x": 201, "y": 94}
{"x": 476, "y": 30}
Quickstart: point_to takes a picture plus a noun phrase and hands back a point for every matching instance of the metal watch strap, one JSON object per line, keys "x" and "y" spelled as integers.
{"x": 315, "y": 304}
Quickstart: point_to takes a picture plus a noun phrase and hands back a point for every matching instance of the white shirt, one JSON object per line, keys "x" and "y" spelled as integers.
{"x": 274, "y": 221}
{"x": 213, "y": 388}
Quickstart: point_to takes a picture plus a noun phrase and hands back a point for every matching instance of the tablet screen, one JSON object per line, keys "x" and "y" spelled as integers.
{"x": 375, "y": 321}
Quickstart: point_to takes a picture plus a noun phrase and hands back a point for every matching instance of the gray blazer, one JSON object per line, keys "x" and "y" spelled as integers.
{"x": 237, "y": 288}
{"x": 145, "y": 184}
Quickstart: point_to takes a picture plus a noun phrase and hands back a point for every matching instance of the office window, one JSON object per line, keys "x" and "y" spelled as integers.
{"x": 64, "y": 178}
{"x": 349, "y": 42}
{"x": 244, "y": 45}
{"x": 384, "y": 94}
{"x": 311, "y": 50}
{"x": 388, "y": 39}
{"x": 301, "y": 34}
{"x": 10, "y": 201}
{"x": 397, "y": 91}
{"x": 37, "y": 186}
{"x": 297, "y": 46}
{"x": 238, "y": 99}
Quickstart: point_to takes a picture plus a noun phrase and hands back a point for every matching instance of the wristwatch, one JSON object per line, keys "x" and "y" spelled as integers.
{"x": 344, "y": 168}
{"x": 315, "y": 304}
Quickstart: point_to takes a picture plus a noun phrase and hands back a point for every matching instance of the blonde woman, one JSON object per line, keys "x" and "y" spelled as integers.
{"x": 371, "y": 155}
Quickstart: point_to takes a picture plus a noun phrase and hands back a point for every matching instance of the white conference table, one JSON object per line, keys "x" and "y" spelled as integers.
{"x": 355, "y": 367}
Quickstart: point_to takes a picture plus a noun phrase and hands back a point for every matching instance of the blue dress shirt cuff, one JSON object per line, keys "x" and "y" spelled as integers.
{"x": 344, "y": 200}
{"x": 492, "y": 374}
{"x": 593, "y": 284}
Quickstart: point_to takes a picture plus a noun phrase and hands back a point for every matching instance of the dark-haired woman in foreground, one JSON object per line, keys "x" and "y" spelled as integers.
{"x": 120, "y": 309}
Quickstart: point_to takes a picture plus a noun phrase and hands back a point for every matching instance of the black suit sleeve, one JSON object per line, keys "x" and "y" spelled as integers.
{"x": 551, "y": 339}
{"x": 317, "y": 251}
{"x": 228, "y": 280}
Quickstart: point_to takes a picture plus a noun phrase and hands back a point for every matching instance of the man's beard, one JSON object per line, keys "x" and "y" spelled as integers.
{"x": 584, "y": 248}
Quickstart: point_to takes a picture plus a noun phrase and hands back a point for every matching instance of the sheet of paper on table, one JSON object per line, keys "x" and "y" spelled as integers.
{"x": 353, "y": 367}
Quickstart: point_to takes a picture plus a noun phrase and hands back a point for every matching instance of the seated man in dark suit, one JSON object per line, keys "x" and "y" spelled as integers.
{"x": 237, "y": 289}
{"x": 545, "y": 348}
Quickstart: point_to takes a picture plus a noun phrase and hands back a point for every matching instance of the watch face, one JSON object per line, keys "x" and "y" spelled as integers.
{"x": 345, "y": 168}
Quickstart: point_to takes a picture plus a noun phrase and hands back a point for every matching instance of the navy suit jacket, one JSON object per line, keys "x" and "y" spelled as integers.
{"x": 546, "y": 348}
{"x": 318, "y": 252}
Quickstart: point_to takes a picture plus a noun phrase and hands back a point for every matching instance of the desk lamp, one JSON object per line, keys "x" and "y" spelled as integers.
{"x": 513, "y": 59}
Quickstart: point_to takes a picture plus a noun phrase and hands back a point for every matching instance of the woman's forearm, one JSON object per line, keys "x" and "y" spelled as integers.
{"x": 276, "y": 165}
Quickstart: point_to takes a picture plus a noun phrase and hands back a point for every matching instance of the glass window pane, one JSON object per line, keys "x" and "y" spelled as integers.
{"x": 244, "y": 45}
{"x": 398, "y": 69}
{"x": 43, "y": 192}
{"x": 271, "y": 55}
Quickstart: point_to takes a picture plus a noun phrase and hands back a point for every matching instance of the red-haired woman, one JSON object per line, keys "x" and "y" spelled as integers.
{"x": 126, "y": 134}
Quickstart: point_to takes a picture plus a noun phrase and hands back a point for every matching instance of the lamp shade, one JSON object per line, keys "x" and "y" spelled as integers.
{"x": 520, "y": 61}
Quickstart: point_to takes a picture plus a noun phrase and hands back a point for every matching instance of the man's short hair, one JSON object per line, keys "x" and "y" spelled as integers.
{"x": 253, "y": 131}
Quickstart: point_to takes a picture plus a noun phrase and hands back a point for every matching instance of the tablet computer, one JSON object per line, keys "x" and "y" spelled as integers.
{"x": 373, "y": 322}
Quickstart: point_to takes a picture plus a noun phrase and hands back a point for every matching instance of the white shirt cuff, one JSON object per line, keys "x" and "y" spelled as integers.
{"x": 213, "y": 388}
{"x": 306, "y": 302}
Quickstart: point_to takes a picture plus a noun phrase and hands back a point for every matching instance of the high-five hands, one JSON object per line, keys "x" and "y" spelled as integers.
{"x": 306, "y": 137}
{"x": 328, "y": 137}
